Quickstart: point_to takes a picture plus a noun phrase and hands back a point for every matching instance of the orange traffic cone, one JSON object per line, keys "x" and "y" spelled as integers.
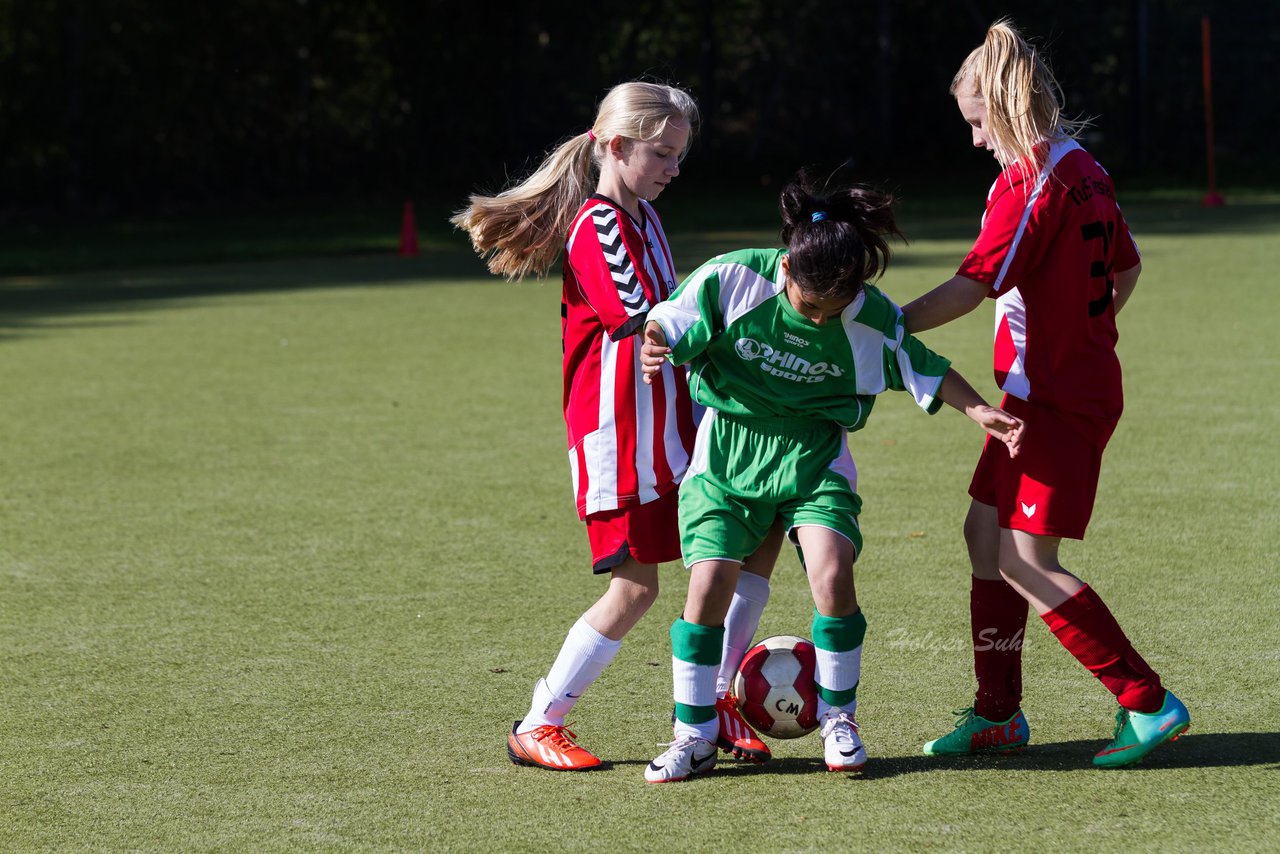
{"x": 408, "y": 233}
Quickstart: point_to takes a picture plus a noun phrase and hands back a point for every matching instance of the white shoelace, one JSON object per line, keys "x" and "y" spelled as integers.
{"x": 842, "y": 734}
{"x": 681, "y": 742}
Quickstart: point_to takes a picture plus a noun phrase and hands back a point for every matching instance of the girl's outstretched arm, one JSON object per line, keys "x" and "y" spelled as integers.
{"x": 953, "y": 298}
{"x": 956, "y": 392}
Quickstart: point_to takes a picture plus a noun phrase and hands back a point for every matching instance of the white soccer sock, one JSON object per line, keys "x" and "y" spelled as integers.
{"x": 838, "y": 671}
{"x": 582, "y": 658}
{"x": 708, "y": 731}
{"x": 695, "y": 686}
{"x": 740, "y": 625}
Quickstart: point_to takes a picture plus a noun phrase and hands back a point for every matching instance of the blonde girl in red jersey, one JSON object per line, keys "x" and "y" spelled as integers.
{"x": 629, "y": 442}
{"x": 1055, "y": 254}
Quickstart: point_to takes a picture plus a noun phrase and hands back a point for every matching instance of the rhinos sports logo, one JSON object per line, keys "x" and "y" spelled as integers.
{"x": 787, "y": 366}
{"x": 749, "y": 349}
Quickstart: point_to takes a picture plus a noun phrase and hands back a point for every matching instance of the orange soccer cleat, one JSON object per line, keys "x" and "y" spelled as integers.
{"x": 550, "y": 747}
{"x": 736, "y": 735}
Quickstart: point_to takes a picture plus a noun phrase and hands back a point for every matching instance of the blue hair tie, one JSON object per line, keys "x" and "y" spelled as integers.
{"x": 819, "y": 216}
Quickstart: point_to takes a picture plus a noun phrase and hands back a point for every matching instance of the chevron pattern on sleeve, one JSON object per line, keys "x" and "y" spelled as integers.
{"x": 623, "y": 271}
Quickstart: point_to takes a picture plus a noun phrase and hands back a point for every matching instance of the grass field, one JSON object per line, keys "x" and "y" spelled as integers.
{"x": 286, "y": 544}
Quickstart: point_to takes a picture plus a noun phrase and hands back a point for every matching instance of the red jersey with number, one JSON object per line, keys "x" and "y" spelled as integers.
{"x": 1050, "y": 245}
{"x": 629, "y": 441}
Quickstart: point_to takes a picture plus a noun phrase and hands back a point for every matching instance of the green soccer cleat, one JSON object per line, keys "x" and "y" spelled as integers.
{"x": 1138, "y": 734}
{"x": 976, "y": 734}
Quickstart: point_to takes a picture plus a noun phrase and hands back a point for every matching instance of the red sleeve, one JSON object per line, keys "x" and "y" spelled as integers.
{"x": 606, "y": 254}
{"x": 1010, "y": 239}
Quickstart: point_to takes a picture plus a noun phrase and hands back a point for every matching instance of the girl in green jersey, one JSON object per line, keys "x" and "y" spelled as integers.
{"x": 788, "y": 349}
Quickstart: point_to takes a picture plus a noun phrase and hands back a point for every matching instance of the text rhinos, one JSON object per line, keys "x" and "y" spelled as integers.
{"x": 786, "y": 365}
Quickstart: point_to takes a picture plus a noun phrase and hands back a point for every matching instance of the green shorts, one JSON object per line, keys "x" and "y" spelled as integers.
{"x": 745, "y": 472}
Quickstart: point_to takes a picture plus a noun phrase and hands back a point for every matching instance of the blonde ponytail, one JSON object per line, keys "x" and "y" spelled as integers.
{"x": 522, "y": 230}
{"x": 1023, "y": 99}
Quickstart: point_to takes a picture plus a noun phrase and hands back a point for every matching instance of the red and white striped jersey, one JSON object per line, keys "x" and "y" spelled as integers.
{"x": 1050, "y": 244}
{"x": 629, "y": 442}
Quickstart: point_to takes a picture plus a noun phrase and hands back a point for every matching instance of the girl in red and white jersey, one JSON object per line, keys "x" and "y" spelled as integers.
{"x": 1055, "y": 254}
{"x": 629, "y": 441}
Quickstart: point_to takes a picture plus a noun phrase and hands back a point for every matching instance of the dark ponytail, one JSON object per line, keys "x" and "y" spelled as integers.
{"x": 837, "y": 241}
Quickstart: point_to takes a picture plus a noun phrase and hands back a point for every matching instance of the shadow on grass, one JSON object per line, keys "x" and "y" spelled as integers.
{"x": 727, "y": 768}
{"x": 38, "y": 303}
{"x": 30, "y": 303}
{"x": 1144, "y": 218}
{"x": 34, "y": 303}
{"x": 1208, "y": 750}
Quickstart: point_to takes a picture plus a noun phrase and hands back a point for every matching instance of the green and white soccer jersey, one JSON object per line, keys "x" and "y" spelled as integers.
{"x": 754, "y": 355}
{"x": 783, "y": 393}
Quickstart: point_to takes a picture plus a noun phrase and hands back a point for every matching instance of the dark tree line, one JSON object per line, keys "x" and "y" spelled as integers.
{"x": 133, "y": 105}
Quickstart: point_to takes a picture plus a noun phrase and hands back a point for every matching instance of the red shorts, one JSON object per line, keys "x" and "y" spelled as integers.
{"x": 648, "y": 532}
{"x": 1049, "y": 488}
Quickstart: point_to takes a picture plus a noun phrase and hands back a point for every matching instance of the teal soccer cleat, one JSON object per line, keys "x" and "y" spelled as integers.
{"x": 975, "y": 734}
{"x": 1138, "y": 734}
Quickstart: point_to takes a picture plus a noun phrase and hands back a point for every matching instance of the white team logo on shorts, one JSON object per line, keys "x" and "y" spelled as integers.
{"x": 1028, "y": 511}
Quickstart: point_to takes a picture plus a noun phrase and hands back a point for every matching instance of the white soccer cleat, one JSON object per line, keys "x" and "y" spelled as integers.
{"x": 685, "y": 757}
{"x": 841, "y": 746}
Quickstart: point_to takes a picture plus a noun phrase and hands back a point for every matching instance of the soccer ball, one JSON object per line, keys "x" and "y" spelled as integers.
{"x": 775, "y": 687}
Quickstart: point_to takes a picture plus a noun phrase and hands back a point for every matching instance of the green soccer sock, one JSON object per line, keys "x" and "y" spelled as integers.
{"x": 695, "y": 660}
{"x": 838, "y": 642}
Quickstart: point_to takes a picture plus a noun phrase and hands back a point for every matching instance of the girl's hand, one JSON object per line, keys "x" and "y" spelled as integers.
{"x": 654, "y": 351}
{"x": 1000, "y": 424}
{"x": 956, "y": 391}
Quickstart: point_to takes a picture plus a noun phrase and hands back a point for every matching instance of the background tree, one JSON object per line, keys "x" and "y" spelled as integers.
{"x": 135, "y": 105}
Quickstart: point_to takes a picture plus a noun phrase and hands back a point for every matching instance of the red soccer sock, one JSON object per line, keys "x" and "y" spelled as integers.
{"x": 998, "y": 618}
{"x": 1088, "y": 630}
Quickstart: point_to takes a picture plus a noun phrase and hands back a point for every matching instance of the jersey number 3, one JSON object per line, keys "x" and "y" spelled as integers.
{"x": 1100, "y": 269}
